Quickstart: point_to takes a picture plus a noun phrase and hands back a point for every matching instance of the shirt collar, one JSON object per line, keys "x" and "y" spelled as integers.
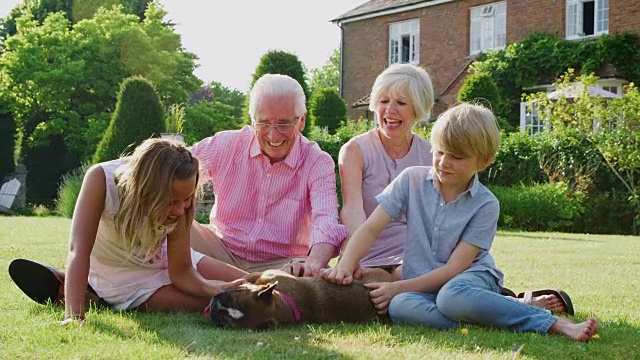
{"x": 472, "y": 189}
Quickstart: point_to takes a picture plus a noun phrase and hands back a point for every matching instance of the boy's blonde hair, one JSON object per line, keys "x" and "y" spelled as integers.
{"x": 467, "y": 130}
{"x": 144, "y": 185}
{"x": 405, "y": 77}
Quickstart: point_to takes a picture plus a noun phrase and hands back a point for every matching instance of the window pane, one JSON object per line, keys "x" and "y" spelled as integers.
{"x": 406, "y": 48}
{"x": 475, "y": 41}
{"x": 415, "y": 48}
{"x": 602, "y": 16}
{"x": 572, "y": 19}
{"x": 393, "y": 51}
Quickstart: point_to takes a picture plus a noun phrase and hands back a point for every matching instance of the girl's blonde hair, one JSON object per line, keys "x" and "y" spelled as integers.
{"x": 467, "y": 130}
{"x": 413, "y": 80}
{"x": 144, "y": 186}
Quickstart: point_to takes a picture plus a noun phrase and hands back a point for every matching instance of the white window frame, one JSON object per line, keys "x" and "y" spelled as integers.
{"x": 488, "y": 27}
{"x": 530, "y": 122}
{"x": 399, "y": 32}
{"x": 575, "y": 19}
{"x": 613, "y": 85}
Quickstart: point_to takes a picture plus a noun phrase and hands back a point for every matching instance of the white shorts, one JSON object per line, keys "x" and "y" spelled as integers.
{"x": 135, "y": 286}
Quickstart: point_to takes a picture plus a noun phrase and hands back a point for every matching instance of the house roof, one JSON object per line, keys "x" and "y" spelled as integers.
{"x": 363, "y": 101}
{"x": 374, "y": 6}
{"x": 576, "y": 89}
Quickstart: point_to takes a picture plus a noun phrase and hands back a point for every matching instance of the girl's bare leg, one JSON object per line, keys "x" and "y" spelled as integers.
{"x": 169, "y": 298}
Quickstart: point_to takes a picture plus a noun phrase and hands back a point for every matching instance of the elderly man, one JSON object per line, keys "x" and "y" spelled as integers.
{"x": 276, "y": 203}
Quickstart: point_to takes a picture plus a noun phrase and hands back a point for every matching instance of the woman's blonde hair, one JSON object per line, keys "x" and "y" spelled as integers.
{"x": 467, "y": 130}
{"x": 405, "y": 77}
{"x": 144, "y": 186}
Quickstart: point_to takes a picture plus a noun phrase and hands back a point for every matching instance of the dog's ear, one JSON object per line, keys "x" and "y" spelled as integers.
{"x": 266, "y": 294}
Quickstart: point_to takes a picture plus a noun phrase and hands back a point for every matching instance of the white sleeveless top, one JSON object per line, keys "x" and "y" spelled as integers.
{"x": 114, "y": 273}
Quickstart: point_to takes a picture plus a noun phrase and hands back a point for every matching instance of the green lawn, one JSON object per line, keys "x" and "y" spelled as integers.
{"x": 599, "y": 272}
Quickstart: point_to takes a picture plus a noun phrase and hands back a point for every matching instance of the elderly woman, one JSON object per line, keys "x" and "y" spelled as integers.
{"x": 401, "y": 96}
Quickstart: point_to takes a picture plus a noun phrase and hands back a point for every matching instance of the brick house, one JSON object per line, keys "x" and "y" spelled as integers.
{"x": 445, "y": 35}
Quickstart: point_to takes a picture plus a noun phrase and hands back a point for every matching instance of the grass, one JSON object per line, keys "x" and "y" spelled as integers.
{"x": 599, "y": 272}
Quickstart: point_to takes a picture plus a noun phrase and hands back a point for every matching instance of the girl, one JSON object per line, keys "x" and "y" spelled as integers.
{"x": 130, "y": 238}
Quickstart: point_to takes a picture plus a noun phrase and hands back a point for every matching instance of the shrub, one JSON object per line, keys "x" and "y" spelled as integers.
{"x": 69, "y": 190}
{"x": 174, "y": 119}
{"x": 540, "y": 207}
{"x": 327, "y": 110}
{"x": 516, "y": 162}
{"x": 206, "y": 118}
{"x": 46, "y": 163}
{"x": 137, "y": 117}
{"x": 7, "y": 143}
{"x": 479, "y": 87}
{"x": 606, "y": 213}
{"x": 280, "y": 62}
{"x": 331, "y": 143}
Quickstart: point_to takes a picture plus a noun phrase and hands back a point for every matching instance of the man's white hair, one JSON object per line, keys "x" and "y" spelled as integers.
{"x": 275, "y": 85}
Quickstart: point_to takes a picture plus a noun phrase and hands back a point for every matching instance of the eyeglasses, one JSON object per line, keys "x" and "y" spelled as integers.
{"x": 283, "y": 128}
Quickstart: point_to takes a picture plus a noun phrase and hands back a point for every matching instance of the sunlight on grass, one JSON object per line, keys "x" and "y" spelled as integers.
{"x": 599, "y": 272}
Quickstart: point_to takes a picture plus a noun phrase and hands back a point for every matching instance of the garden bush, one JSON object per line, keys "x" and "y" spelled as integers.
{"x": 327, "y": 110}
{"x": 280, "y": 62}
{"x": 516, "y": 162}
{"x": 69, "y": 190}
{"x": 7, "y": 142}
{"x": 138, "y": 116}
{"x": 539, "y": 207}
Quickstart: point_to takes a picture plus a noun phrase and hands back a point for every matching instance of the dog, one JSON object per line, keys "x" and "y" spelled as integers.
{"x": 275, "y": 298}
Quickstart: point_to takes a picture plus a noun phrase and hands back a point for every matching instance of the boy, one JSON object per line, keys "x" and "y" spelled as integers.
{"x": 448, "y": 275}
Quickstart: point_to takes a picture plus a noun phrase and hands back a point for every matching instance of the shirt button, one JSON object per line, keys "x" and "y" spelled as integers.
{"x": 435, "y": 228}
{"x": 269, "y": 175}
{"x": 259, "y": 220}
{"x": 441, "y": 204}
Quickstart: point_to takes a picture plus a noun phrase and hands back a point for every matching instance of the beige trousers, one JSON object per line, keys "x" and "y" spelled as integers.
{"x": 205, "y": 239}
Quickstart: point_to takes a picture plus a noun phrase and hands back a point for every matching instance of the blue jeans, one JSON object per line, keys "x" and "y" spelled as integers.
{"x": 471, "y": 297}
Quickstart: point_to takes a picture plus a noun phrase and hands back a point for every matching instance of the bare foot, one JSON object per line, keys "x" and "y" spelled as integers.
{"x": 547, "y": 302}
{"x": 583, "y": 331}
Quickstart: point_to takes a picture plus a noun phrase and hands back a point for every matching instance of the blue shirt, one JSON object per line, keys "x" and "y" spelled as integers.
{"x": 434, "y": 228}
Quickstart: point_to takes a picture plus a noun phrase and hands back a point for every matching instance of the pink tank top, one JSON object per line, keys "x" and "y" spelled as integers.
{"x": 379, "y": 171}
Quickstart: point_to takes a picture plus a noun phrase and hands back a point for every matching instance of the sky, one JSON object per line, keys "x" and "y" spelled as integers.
{"x": 229, "y": 37}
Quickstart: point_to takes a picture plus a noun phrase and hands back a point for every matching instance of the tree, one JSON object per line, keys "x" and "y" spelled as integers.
{"x": 138, "y": 116}
{"x": 480, "y": 87}
{"x": 280, "y": 62}
{"x": 213, "y": 108}
{"x": 60, "y": 80}
{"x": 611, "y": 126}
{"x": 328, "y": 76}
{"x": 327, "y": 109}
{"x": 74, "y": 11}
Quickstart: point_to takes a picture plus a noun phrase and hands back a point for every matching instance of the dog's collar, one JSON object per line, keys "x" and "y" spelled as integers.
{"x": 292, "y": 304}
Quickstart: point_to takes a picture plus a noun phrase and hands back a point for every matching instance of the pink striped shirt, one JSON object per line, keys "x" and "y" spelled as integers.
{"x": 264, "y": 211}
